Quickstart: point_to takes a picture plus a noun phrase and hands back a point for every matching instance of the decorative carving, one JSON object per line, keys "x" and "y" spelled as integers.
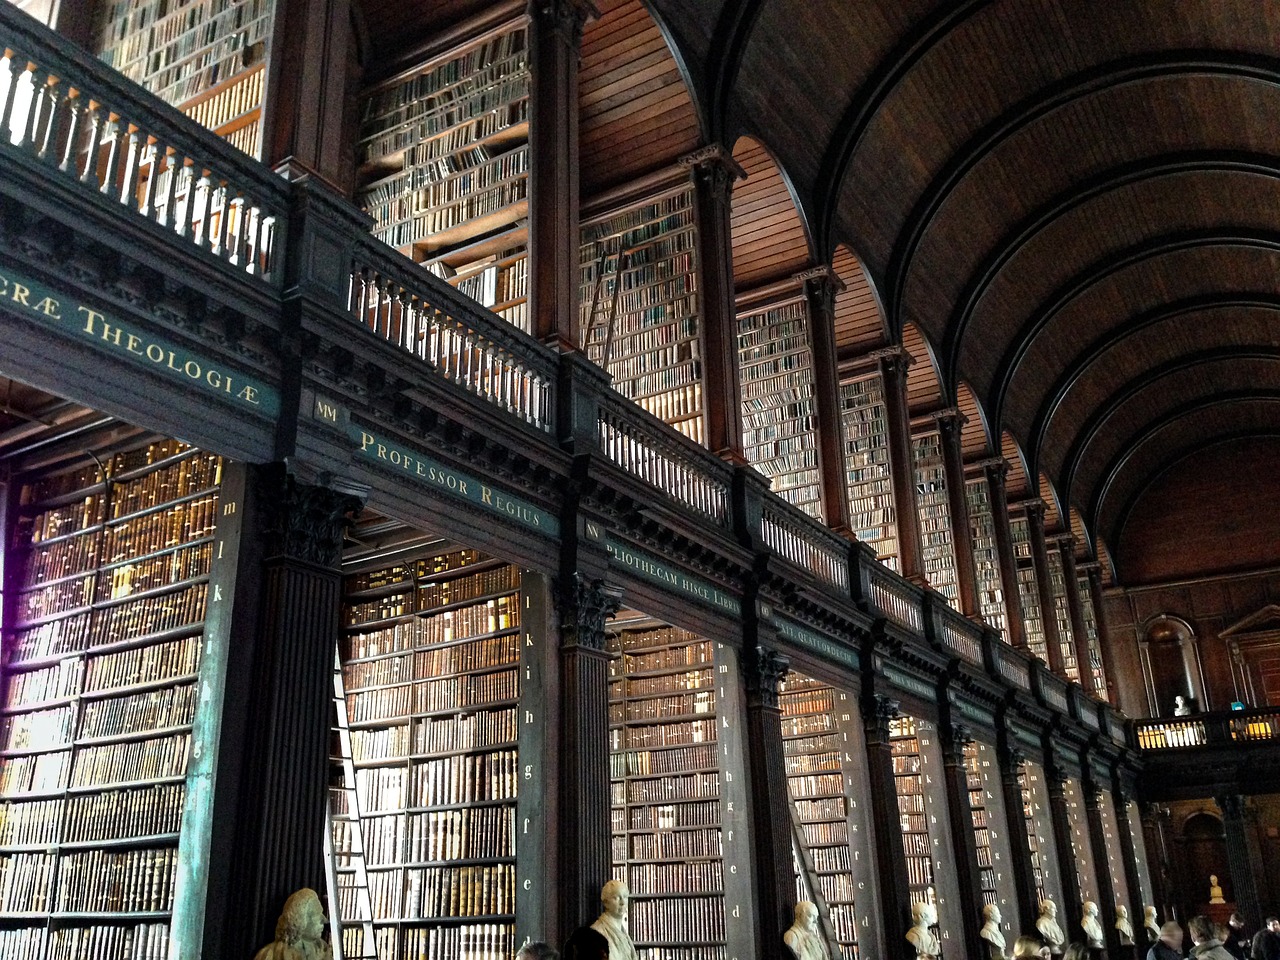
{"x": 882, "y": 711}
{"x": 584, "y": 607}
{"x": 565, "y": 19}
{"x": 714, "y": 169}
{"x": 302, "y": 521}
{"x": 765, "y": 669}
{"x": 957, "y": 737}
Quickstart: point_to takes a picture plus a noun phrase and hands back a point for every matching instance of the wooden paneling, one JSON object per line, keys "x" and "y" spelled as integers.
{"x": 1052, "y": 514}
{"x": 1084, "y": 542}
{"x": 924, "y": 392}
{"x": 769, "y": 239}
{"x": 975, "y": 441}
{"x": 635, "y": 112}
{"x": 859, "y": 321}
{"x": 1016, "y": 482}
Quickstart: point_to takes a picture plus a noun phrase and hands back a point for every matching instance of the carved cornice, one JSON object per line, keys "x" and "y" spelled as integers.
{"x": 714, "y": 169}
{"x": 883, "y": 710}
{"x": 304, "y": 522}
{"x": 584, "y": 607}
{"x": 564, "y": 18}
{"x": 765, "y": 670}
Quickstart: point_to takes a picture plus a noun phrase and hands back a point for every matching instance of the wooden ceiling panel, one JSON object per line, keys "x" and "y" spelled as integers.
{"x": 1052, "y": 513}
{"x": 1016, "y": 487}
{"x": 859, "y": 321}
{"x": 975, "y": 440}
{"x": 924, "y": 392}
{"x": 769, "y": 239}
{"x": 635, "y": 112}
{"x": 1084, "y": 542}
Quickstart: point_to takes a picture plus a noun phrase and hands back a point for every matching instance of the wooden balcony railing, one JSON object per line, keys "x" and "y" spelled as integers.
{"x": 792, "y": 534}
{"x": 1220, "y": 728}
{"x": 897, "y": 600}
{"x": 957, "y": 634}
{"x": 92, "y": 131}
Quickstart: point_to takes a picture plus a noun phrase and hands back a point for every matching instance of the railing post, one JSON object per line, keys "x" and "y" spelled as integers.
{"x": 580, "y": 385}
{"x": 749, "y": 489}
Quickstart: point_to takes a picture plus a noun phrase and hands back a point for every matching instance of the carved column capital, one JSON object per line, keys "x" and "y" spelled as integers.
{"x": 1034, "y": 509}
{"x": 892, "y": 358}
{"x": 1233, "y": 806}
{"x": 584, "y": 607}
{"x": 1013, "y": 760}
{"x": 883, "y": 710}
{"x": 303, "y": 521}
{"x": 713, "y": 169}
{"x": 821, "y": 287}
{"x": 566, "y": 19}
{"x": 956, "y": 737}
{"x": 765, "y": 670}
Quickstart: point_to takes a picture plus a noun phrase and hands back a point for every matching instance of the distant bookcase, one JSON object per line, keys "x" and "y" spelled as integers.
{"x": 1035, "y": 813}
{"x": 431, "y": 665}
{"x": 640, "y": 308}
{"x": 206, "y": 57}
{"x": 936, "y": 537}
{"x": 109, "y": 578}
{"x": 779, "y": 425}
{"x": 1028, "y": 591}
{"x": 444, "y": 161}
{"x": 1062, "y": 615}
{"x": 1096, "y": 673}
{"x": 981, "y": 824}
{"x": 865, "y": 427}
{"x": 821, "y": 804}
{"x": 913, "y": 813}
{"x": 985, "y": 556}
{"x": 667, "y": 805}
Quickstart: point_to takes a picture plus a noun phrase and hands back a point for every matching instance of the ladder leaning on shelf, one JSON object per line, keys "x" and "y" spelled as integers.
{"x": 350, "y": 907}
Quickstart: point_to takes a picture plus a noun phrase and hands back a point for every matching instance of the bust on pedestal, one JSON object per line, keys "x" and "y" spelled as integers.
{"x": 299, "y": 931}
{"x": 1093, "y": 935}
{"x": 1215, "y": 891}
{"x": 1047, "y": 927}
{"x": 802, "y": 937}
{"x": 1123, "y": 925}
{"x": 1150, "y": 925}
{"x": 991, "y": 934}
{"x": 612, "y": 922}
{"x": 925, "y": 942}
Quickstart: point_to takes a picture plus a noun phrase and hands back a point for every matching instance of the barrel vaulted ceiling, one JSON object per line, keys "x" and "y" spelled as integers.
{"x": 1077, "y": 202}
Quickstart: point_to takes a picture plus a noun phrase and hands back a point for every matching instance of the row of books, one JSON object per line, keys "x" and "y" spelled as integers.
{"x": 694, "y": 876}
{"x": 824, "y": 833}
{"x": 109, "y": 625}
{"x": 122, "y": 464}
{"x": 448, "y": 781}
{"x": 468, "y": 834}
{"x": 410, "y": 194}
{"x": 128, "y": 881}
{"x": 667, "y": 683}
{"x": 169, "y": 566}
{"x": 668, "y": 816}
{"x": 55, "y": 729}
{"x": 496, "y": 284}
{"x": 689, "y": 920}
{"x": 134, "y": 941}
{"x": 455, "y": 658}
{"x": 419, "y": 227}
{"x": 696, "y": 786}
{"x": 934, "y": 510}
{"x": 663, "y": 706}
{"x": 131, "y": 761}
{"x": 479, "y": 730}
{"x": 663, "y": 735}
{"x": 908, "y": 781}
{"x": 433, "y": 696}
{"x": 869, "y": 488}
{"x": 172, "y": 660}
{"x": 472, "y": 941}
{"x": 645, "y": 763}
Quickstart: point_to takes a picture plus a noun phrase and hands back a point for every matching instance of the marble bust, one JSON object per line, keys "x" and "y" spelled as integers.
{"x": 803, "y": 937}
{"x": 1093, "y": 934}
{"x": 1215, "y": 891}
{"x": 1047, "y": 927}
{"x": 991, "y": 933}
{"x": 299, "y": 931}
{"x": 923, "y": 939}
{"x": 1123, "y": 925}
{"x": 1150, "y": 924}
{"x": 612, "y": 922}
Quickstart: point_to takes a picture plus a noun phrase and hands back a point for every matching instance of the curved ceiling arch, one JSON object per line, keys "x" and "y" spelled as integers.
{"x": 1048, "y": 493}
{"x": 1117, "y": 335}
{"x": 1133, "y": 444}
{"x": 728, "y": 44}
{"x": 1095, "y": 186}
{"x": 1016, "y": 480}
{"x": 975, "y": 435}
{"x": 1100, "y": 270}
{"x": 1090, "y": 428}
{"x": 859, "y": 320}
{"x": 864, "y": 106}
{"x": 925, "y": 390}
{"x": 1083, "y": 84}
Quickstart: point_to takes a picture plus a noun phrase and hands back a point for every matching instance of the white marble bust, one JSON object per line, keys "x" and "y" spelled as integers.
{"x": 991, "y": 933}
{"x": 1150, "y": 923}
{"x": 612, "y": 922}
{"x": 923, "y": 939}
{"x": 1047, "y": 927}
{"x": 299, "y": 931}
{"x": 1093, "y": 934}
{"x": 803, "y": 937}
{"x": 1123, "y": 925}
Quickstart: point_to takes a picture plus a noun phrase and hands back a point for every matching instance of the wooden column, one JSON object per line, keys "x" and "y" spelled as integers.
{"x": 1242, "y": 854}
{"x": 279, "y": 705}
{"x": 1079, "y": 636}
{"x": 891, "y": 864}
{"x": 1133, "y": 878}
{"x": 1157, "y": 860}
{"x": 964, "y": 845}
{"x": 1060, "y": 817}
{"x": 555, "y": 42}
{"x": 307, "y": 124}
{"x": 893, "y": 368}
{"x": 1044, "y": 587}
{"x": 1098, "y": 847}
{"x": 714, "y": 171}
{"x": 821, "y": 287}
{"x": 584, "y": 826}
{"x": 1024, "y": 877}
{"x": 997, "y": 471}
{"x": 763, "y": 671}
{"x": 950, "y": 424}
{"x": 1094, "y": 573}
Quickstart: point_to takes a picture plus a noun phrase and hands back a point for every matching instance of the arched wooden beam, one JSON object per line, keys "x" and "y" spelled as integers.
{"x": 1072, "y": 373}
{"x": 1100, "y": 270}
{"x": 1078, "y": 86}
{"x": 1134, "y": 442}
{"x": 1089, "y": 429}
{"x": 1101, "y": 183}
{"x": 728, "y": 46}
{"x": 866, "y": 103}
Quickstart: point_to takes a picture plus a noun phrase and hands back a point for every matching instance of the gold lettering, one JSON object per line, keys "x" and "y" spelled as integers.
{"x": 154, "y": 353}
{"x": 131, "y": 344}
{"x": 486, "y": 495}
{"x": 91, "y": 317}
{"x": 248, "y": 393}
{"x": 20, "y": 294}
{"x": 49, "y": 307}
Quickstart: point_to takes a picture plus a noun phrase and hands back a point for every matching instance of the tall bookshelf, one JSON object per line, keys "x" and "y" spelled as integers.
{"x": 1114, "y": 866}
{"x": 779, "y": 416}
{"x": 444, "y": 162}
{"x": 823, "y": 808}
{"x": 865, "y": 426}
{"x": 1028, "y": 591}
{"x": 914, "y": 782}
{"x": 1062, "y": 615}
{"x": 668, "y": 803}
{"x": 985, "y": 557}
{"x": 639, "y": 304}
{"x": 431, "y": 664}
{"x": 109, "y": 577}
{"x": 982, "y": 823}
{"x": 990, "y": 820}
{"x": 205, "y": 57}
{"x": 1096, "y": 674}
{"x": 1035, "y": 812}
{"x": 937, "y": 541}
{"x": 1081, "y": 849}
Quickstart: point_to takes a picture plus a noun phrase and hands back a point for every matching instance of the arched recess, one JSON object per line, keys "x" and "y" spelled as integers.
{"x": 859, "y": 320}
{"x": 975, "y": 436}
{"x": 1171, "y": 666}
{"x": 924, "y": 386}
{"x": 1084, "y": 542}
{"x": 770, "y": 238}
{"x": 1052, "y": 506}
{"x": 635, "y": 109}
{"x": 1015, "y": 484}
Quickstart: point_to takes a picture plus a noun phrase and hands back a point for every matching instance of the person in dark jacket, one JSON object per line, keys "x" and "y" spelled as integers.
{"x": 1207, "y": 944}
{"x": 1169, "y": 946}
{"x": 1266, "y": 942}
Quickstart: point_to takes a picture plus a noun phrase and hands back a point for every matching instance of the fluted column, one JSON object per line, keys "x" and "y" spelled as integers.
{"x": 1098, "y": 848}
{"x": 1079, "y": 636}
{"x": 714, "y": 171}
{"x": 891, "y": 864}
{"x": 821, "y": 287}
{"x": 893, "y": 368}
{"x": 997, "y": 472}
{"x": 584, "y": 828}
{"x": 963, "y": 841}
{"x": 950, "y": 425}
{"x": 764, "y": 670}
{"x": 1024, "y": 877}
{"x": 279, "y": 703}
{"x": 555, "y": 42}
{"x": 1242, "y": 853}
{"x": 1044, "y": 587}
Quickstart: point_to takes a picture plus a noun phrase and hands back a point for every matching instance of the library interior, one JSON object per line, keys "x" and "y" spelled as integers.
{"x": 533, "y": 471}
